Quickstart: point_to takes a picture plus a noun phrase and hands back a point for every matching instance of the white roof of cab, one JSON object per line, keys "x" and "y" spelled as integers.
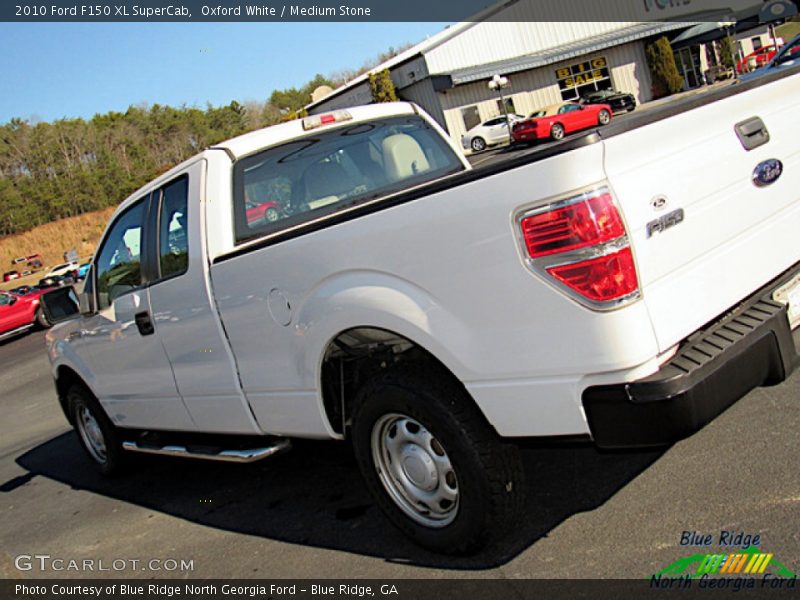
{"x": 278, "y": 134}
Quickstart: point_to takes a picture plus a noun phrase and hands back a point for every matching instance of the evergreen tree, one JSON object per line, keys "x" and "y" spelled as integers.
{"x": 382, "y": 87}
{"x": 663, "y": 70}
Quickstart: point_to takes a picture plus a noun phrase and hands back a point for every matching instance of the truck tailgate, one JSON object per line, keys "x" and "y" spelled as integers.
{"x": 732, "y": 236}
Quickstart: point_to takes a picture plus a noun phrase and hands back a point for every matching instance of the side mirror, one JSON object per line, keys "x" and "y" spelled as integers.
{"x": 86, "y": 303}
{"x": 59, "y": 305}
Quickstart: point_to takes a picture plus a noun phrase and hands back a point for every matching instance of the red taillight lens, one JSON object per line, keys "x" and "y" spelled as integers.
{"x": 600, "y": 279}
{"x": 581, "y": 243}
{"x": 585, "y": 223}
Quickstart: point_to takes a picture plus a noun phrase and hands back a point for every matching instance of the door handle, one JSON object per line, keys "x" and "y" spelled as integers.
{"x": 752, "y": 133}
{"x": 144, "y": 323}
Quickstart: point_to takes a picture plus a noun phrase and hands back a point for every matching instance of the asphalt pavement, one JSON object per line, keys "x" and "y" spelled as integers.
{"x": 306, "y": 514}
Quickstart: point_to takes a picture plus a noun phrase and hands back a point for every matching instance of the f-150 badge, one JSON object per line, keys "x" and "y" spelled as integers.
{"x": 664, "y": 222}
{"x": 767, "y": 172}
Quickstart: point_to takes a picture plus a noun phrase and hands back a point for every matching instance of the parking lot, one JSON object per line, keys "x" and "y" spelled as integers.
{"x": 306, "y": 514}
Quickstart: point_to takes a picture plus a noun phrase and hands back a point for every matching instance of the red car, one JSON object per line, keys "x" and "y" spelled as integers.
{"x": 557, "y": 120}
{"x": 757, "y": 59}
{"x": 19, "y": 313}
{"x": 264, "y": 212}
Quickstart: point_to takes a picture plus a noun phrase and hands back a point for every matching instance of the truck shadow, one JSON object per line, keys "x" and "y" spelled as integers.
{"x": 314, "y": 495}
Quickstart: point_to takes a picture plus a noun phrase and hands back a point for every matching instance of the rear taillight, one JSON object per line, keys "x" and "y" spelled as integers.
{"x": 580, "y": 244}
{"x": 582, "y": 223}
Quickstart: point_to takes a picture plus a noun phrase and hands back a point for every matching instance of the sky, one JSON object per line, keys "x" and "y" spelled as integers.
{"x": 50, "y": 71}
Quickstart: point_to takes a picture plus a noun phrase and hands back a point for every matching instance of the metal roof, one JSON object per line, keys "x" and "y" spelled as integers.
{"x": 564, "y": 51}
{"x": 422, "y": 47}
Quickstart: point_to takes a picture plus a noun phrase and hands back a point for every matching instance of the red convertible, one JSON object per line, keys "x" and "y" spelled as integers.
{"x": 264, "y": 212}
{"x": 556, "y": 121}
{"x": 20, "y": 312}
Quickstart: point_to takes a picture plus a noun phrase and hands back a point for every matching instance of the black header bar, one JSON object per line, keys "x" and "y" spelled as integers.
{"x": 373, "y": 10}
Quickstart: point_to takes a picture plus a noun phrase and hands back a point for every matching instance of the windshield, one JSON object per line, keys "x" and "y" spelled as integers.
{"x": 789, "y": 52}
{"x": 332, "y": 170}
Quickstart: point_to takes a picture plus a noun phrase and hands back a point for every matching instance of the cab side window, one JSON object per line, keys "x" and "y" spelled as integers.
{"x": 119, "y": 265}
{"x": 173, "y": 231}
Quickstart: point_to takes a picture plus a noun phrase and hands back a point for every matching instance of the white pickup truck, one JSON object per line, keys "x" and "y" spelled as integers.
{"x": 349, "y": 276}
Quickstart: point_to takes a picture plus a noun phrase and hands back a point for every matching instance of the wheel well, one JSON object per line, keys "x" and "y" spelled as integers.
{"x": 65, "y": 379}
{"x": 357, "y": 354}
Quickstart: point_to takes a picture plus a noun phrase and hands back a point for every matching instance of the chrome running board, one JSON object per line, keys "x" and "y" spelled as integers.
{"x": 247, "y": 455}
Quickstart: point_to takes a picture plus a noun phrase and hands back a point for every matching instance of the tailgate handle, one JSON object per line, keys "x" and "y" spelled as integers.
{"x": 752, "y": 133}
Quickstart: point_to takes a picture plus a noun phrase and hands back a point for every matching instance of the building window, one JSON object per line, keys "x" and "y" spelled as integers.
{"x": 509, "y": 106}
{"x": 757, "y": 44}
{"x": 582, "y": 78}
{"x": 471, "y": 117}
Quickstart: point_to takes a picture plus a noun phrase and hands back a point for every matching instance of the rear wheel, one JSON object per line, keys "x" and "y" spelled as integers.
{"x": 41, "y": 319}
{"x": 604, "y": 117}
{"x": 435, "y": 467}
{"x": 478, "y": 144}
{"x": 96, "y": 432}
{"x": 557, "y": 131}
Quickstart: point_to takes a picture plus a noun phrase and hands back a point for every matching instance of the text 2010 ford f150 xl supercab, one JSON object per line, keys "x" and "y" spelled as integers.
{"x": 348, "y": 276}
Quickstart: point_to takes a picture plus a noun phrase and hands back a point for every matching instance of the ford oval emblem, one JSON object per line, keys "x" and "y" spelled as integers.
{"x": 767, "y": 172}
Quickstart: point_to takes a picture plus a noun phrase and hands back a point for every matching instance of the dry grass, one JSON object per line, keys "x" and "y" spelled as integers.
{"x": 51, "y": 241}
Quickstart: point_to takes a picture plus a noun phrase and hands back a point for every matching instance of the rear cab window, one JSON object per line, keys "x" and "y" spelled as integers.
{"x": 331, "y": 170}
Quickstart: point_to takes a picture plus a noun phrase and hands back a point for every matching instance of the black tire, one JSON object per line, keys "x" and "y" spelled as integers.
{"x": 603, "y": 117}
{"x": 83, "y": 407}
{"x": 478, "y": 144}
{"x": 271, "y": 215}
{"x": 41, "y": 319}
{"x": 557, "y": 131}
{"x": 487, "y": 473}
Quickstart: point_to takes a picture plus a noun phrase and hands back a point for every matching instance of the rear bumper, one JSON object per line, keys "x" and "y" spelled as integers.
{"x": 746, "y": 348}
{"x": 525, "y": 135}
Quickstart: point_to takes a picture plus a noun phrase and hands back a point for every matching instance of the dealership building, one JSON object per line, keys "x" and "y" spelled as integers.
{"x": 545, "y": 63}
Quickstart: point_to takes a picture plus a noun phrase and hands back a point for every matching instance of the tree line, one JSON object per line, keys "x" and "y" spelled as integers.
{"x": 59, "y": 169}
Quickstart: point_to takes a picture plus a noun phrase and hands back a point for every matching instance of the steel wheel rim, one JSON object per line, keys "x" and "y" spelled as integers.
{"x": 91, "y": 434}
{"x": 415, "y": 470}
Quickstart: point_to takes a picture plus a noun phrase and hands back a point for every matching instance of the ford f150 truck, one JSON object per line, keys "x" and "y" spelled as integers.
{"x": 625, "y": 286}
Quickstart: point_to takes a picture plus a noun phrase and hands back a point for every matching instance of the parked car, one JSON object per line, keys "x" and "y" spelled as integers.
{"x": 788, "y": 56}
{"x": 557, "y": 120}
{"x": 489, "y": 133}
{"x": 64, "y": 269}
{"x": 11, "y": 275}
{"x": 51, "y": 281}
{"x": 83, "y": 269}
{"x": 19, "y": 313}
{"x": 618, "y": 101}
{"x": 757, "y": 59}
{"x": 34, "y": 261}
{"x": 262, "y": 212}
